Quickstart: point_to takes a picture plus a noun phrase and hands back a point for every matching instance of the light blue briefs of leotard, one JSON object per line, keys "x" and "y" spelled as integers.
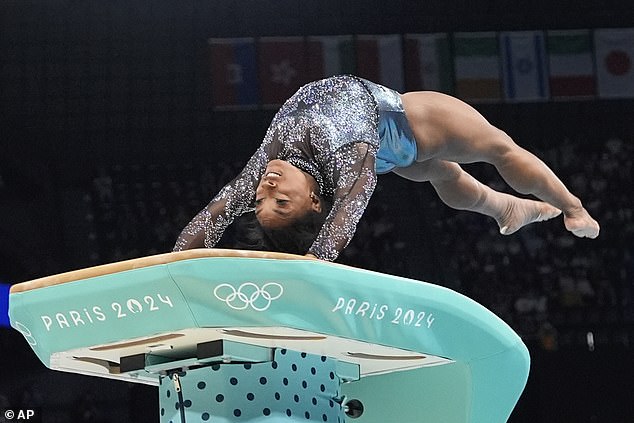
{"x": 398, "y": 146}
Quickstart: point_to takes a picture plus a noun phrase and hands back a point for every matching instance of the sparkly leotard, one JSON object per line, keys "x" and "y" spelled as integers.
{"x": 329, "y": 129}
{"x": 398, "y": 146}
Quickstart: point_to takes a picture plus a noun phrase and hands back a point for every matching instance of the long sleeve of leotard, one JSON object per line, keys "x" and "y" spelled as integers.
{"x": 355, "y": 180}
{"x": 234, "y": 199}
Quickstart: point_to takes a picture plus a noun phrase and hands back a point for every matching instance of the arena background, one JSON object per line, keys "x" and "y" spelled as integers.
{"x": 109, "y": 143}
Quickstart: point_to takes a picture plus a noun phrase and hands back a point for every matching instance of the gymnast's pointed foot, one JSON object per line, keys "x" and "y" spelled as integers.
{"x": 580, "y": 223}
{"x": 521, "y": 212}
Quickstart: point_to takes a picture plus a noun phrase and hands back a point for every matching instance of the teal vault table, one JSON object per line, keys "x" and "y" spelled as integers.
{"x": 232, "y": 336}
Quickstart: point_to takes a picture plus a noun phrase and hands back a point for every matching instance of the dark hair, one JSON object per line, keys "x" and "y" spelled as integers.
{"x": 294, "y": 238}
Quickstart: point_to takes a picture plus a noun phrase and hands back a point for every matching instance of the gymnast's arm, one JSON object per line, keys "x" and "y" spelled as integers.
{"x": 355, "y": 179}
{"x": 234, "y": 199}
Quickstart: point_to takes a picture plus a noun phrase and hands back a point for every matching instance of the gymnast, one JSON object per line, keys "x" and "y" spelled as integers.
{"x": 316, "y": 168}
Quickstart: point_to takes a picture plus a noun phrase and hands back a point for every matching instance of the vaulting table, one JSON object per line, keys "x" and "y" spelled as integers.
{"x": 243, "y": 336}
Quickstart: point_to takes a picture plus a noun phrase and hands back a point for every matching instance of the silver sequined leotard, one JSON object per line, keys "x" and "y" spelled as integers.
{"x": 328, "y": 128}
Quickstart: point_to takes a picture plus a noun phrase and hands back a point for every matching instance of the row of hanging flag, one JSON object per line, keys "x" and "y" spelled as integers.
{"x": 518, "y": 66}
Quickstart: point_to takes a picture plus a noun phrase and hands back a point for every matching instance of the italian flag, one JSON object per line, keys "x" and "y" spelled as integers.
{"x": 428, "y": 63}
{"x": 614, "y": 49}
{"x": 477, "y": 66}
{"x": 571, "y": 64}
{"x": 380, "y": 60}
{"x": 330, "y": 55}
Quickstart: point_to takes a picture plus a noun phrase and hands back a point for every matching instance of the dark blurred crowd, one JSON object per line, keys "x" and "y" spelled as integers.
{"x": 554, "y": 289}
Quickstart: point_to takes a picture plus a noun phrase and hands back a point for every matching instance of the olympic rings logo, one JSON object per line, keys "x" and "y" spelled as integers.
{"x": 249, "y": 295}
{"x": 26, "y": 332}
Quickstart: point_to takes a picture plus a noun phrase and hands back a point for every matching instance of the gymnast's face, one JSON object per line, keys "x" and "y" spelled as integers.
{"x": 283, "y": 195}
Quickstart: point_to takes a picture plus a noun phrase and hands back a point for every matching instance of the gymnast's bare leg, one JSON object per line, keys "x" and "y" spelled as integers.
{"x": 461, "y": 191}
{"x": 447, "y": 129}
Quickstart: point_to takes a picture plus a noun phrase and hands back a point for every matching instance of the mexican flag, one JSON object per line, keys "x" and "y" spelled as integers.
{"x": 571, "y": 64}
{"x": 614, "y": 50}
{"x": 428, "y": 63}
{"x": 477, "y": 66}
{"x": 234, "y": 78}
{"x": 330, "y": 55}
{"x": 380, "y": 60}
{"x": 524, "y": 65}
{"x": 282, "y": 68}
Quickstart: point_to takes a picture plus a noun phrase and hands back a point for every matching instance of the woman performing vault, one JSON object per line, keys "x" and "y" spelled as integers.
{"x": 317, "y": 166}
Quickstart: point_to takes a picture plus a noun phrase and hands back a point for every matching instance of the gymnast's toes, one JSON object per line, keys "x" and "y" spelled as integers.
{"x": 525, "y": 212}
{"x": 588, "y": 231}
{"x": 547, "y": 212}
{"x": 582, "y": 225}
